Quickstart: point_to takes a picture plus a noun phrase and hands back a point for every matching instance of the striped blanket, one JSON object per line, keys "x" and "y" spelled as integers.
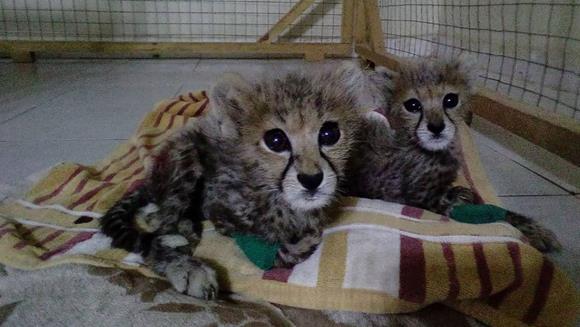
{"x": 377, "y": 257}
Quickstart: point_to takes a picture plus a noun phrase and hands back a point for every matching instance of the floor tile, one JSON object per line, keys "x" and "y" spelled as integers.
{"x": 18, "y": 160}
{"x": 101, "y": 106}
{"x": 25, "y": 86}
{"x": 561, "y": 214}
{"x": 510, "y": 178}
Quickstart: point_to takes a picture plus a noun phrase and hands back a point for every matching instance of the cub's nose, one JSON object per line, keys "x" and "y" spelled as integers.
{"x": 310, "y": 182}
{"x": 436, "y": 128}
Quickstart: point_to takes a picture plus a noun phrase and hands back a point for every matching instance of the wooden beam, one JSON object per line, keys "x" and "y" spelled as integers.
{"x": 347, "y": 21}
{"x": 180, "y": 49}
{"x": 374, "y": 26}
{"x": 554, "y": 133}
{"x": 286, "y": 20}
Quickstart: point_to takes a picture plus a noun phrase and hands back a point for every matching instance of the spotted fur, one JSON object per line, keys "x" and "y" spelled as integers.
{"x": 400, "y": 159}
{"x": 219, "y": 168}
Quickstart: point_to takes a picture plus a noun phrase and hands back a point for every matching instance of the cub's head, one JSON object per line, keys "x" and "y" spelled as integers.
{"x": 429, "y": 97}
{"x": 295, "y": 131}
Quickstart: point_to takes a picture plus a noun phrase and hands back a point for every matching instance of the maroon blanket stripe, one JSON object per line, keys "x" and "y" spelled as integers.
{"x": 412, "y": 212}
{"x": 162, "y": 112}
{"x": 482, "y": 270}
{"x": 59, "y": 188}
{"x": 127, "y": 166}
{"x": 542, "y": 292}
{"x": 201, "y": 109}
{"x": 277, "y": 274}
{"x": 50, "y": 237}
{"x": 108, "y": 178}
{"x": 514, "y": 251}
{"x": 121, "y": 157}
{"x": 24, "y": 243}
{"x": 130, "y": 189}
{"x": 6, "y": 231}
{"x": 193, "y": 97}
{"x": 89, "y": 195}
{"x": 81, "y": 186}
{"x": 452, "y": 271}
{"x": 412, "y": 283}
{"x": 80, "y": 237}
{"x": 182, "y": 110}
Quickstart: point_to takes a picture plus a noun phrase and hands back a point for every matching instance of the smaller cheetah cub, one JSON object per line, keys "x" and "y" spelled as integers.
{"x": 413, "y": 156}
{"x": 266, "y": 160}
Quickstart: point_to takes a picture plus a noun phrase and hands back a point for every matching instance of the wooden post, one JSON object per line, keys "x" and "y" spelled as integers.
{"x": 347, "y": 26}
{"x": 22, "y": 56}
{"x": 360, "y": 25}
{"x": 374, "y": 26}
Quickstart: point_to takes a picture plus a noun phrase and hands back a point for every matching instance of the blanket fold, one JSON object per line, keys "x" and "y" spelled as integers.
{"x": 377, "y": 257}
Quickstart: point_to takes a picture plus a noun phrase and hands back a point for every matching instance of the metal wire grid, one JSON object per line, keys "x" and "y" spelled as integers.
{"x": 163, "y": 20}
{"x": 529, "y": 50}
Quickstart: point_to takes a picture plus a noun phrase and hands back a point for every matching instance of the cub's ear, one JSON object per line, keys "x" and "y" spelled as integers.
{"x": 231, "y": 95}
{"x": 465, "y": 66}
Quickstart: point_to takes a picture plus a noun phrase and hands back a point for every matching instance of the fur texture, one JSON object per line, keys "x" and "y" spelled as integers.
{"x": 228, "y": 168}
{"x": 412, "y": 156}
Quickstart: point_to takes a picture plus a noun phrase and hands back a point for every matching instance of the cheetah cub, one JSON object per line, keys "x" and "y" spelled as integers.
{"x": 266, "y": 160}
{"x": 412, "y": 157}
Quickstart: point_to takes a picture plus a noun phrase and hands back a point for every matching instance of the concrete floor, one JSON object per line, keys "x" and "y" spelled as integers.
{"x": 78, "y": 110}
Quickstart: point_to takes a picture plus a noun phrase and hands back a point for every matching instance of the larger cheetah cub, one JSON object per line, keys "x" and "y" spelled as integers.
{"x": 414, "y": 156}
{"x": 266, "y": 160}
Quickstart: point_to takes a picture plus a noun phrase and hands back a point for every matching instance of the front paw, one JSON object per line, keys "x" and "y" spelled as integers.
{"x": 288, "y": 257}
{"x": 193, "y": 277}
{"x": 461, "y": 195}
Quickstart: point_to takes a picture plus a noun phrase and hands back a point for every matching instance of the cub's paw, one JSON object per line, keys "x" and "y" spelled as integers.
{"x": 193, "y": 277}
{"x": 461, "y": 195}
{"x": 293, "y": 254}
{"x": 539, "y": 236}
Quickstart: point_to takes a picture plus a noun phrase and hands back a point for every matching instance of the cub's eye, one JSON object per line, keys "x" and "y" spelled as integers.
{"x": 276, "y": 140}
{"x": 413, "y": 105}
{"x": 329, "y": 133}
{"x": 450, "y": 100}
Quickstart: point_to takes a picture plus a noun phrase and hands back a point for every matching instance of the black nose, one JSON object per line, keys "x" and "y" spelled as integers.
{"x": 436, "y": 128}
{"x": 310, "y": 182}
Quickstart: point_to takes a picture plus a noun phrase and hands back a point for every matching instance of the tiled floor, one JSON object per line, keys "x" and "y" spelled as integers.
{"x": 78, "y": 111}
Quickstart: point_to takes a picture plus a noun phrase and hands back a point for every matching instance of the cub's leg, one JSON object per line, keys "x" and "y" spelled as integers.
{"x": 173, "y": 189}
{"x": 298, "y": 250}
{"x": 456, "y": 195}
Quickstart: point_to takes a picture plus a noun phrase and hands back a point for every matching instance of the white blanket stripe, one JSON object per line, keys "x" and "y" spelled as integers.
{"x": 60, "y": 208}
{"x": 460, "y": 239}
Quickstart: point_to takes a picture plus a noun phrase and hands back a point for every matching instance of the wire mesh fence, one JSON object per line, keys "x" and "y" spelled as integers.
{"x": 528, "y": 50}
{"x": 162, "y": 20}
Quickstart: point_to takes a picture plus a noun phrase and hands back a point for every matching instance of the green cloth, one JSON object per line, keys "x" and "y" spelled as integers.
{"x": 260, "y": 252}
{"x": 478, "y": 213}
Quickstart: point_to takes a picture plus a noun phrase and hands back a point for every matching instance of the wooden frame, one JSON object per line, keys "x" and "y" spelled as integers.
{"x": 556, "y": 134}
{"x": 360, "y": 29}
{"x": 21, "y": 50}
{"x": 24, "y": 51}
